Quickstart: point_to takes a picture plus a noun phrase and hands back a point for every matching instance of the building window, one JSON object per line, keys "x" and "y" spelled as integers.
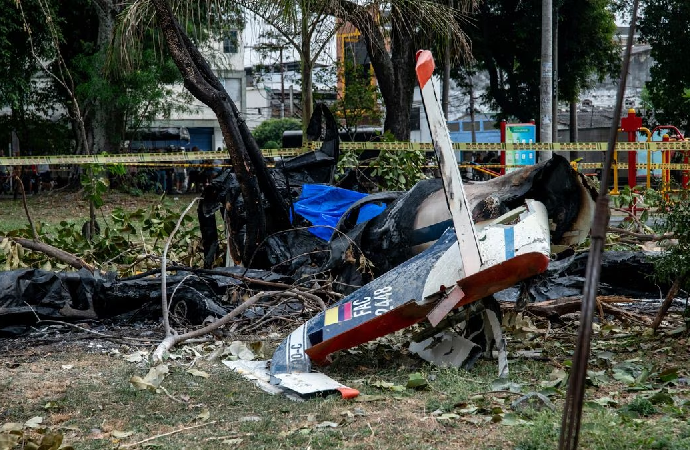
{"x": 415, "y": 119}
{"x": 453, "y": 126}
{"x": 467, "y": 126}
{"x": 230, "y": 43}
{"x": 490, "y": 125}
{"x": 233, "y": 86}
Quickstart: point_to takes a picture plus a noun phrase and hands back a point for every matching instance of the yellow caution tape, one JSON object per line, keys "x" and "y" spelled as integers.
{"x": 189, "y": 157}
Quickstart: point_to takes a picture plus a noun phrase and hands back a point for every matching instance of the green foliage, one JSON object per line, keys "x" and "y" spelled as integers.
{"x": 506, "y": 42}
{"x": 131, "y": 99}
{"x": 359, "y": 104}
{"x": 675, "y": 218}
{"x": 664, "y": 25}
{"x": 18, "y": 93}
{"x": 272, "y": 130}
{"x": 16, "y": 58}
{"x": 642, "y": 406}
{"x": 109, "y": 101}
{"x": 349, "y": 160}
{"x": 399, "y": 170}
{"x": 132, "y": 241}
{"x": 629, "y": 198}
{"x": 392, "y": 170}
{"x": 94, "y": 181}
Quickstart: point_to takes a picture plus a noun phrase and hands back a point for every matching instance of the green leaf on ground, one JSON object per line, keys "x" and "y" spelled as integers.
{"x": 669, "y": 375}
{"x": 417, "y": 381}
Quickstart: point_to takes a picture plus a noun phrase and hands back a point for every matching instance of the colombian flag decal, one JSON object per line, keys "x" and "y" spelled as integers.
{"x": 337, "y": 314}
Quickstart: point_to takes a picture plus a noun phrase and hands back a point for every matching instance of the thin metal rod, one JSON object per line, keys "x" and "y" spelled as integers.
{"x": 572, "y": 411}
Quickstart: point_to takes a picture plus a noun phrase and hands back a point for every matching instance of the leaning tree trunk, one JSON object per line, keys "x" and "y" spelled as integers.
{"x": 668, "y": 301}
{"x": 247, "y": 161}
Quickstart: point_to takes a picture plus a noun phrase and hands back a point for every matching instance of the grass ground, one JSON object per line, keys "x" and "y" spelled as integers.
{"x": 79, "y": 386}
{"x": 53, "y": 207}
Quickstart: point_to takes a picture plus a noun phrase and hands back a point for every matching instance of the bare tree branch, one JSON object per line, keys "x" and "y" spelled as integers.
{"x": 172, "y": 340}
{"x": 164, "y": 272}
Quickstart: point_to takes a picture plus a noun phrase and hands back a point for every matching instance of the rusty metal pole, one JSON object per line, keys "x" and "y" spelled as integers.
{"x": 572, "y": 411}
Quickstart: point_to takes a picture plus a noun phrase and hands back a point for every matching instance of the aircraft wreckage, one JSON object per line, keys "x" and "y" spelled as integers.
{"x": 438, "y": 252}
{"x": 469, "y": 261}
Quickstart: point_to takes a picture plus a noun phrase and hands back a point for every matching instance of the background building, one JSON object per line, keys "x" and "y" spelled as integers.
{"x": 226, "y": 57}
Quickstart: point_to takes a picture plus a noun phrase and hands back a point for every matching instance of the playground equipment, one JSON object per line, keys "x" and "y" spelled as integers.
{"x": 632, "y": 125}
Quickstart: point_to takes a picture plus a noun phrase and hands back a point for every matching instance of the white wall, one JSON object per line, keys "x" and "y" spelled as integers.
{"x": 229, "y": 69}
{"x": 258, "y": 106}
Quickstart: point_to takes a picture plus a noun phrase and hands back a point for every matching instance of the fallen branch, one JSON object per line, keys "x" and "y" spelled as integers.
{"x": 622, "y": 314}
{"x": 563, "y": 305}
{"x": 553, "y": 309}
{"x": 172, "y": 340}
{"x": 220, "y": 272}
{"x": 97, "y": 333}
{"x": 306, "y": 295}
{"x": 164, "y": 260}
{"x": 675, "y": 287}
{"x": 642, "y": 237}
{"x": 169, "y": 433}
{"x": 634, "y": 218}
{"x": 54, "y": 252}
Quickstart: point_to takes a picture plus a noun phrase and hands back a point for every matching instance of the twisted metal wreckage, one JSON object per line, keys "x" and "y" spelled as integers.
{"x": 433, "y": 255}
{"x": 443, "y": 283}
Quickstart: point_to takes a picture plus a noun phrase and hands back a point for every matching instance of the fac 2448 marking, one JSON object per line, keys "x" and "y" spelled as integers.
{"x": 380, "y": 304}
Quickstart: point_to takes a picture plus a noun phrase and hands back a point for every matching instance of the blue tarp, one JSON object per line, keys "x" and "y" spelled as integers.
{"x": 324, "y": 205}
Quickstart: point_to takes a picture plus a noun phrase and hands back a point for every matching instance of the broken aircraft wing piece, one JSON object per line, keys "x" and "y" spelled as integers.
{"x": 302, "y": 384}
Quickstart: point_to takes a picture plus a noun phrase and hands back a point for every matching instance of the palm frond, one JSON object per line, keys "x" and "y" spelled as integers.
{"x": 202, "y": 21}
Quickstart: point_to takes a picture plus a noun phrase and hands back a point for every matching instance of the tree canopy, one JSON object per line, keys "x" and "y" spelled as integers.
{"x": 506, "y": 44}
{"x": 19, "y": 53}
{"x": 271, "y": 131}
{"x": 665, "y": 25}
{"x": 62, "y": 72}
